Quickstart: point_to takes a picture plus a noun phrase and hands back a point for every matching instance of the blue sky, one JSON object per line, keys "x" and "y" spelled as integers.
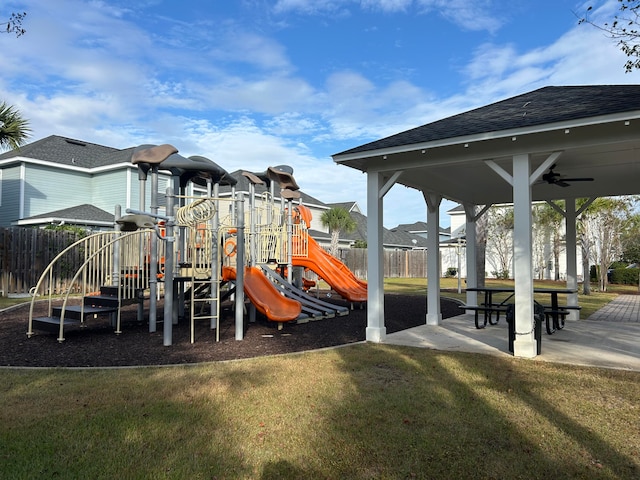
{"x": 256, "y": 83}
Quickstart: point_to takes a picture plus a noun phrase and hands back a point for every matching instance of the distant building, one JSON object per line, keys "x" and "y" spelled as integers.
{"x": 59, "y": 180}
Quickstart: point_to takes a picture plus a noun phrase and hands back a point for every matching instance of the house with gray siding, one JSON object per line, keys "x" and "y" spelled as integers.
{"x": 62, "y": 180}
{"x": 59, "y": 180}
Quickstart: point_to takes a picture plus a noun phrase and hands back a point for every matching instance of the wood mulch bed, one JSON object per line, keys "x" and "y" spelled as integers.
{"x": 96, "y": 345}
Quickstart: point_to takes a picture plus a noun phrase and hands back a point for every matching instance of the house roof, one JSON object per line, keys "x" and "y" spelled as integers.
{"x": 243, "y": 186}
{"x": 414, "y": 227}
{"x": 390, "y": 238}
{"x": 348, "y": 206}
{"x": 68, "y": 151}
{"x": 456, "y": 209}
{"x": 84, "y": 214}
{"x": 587, "y": 131}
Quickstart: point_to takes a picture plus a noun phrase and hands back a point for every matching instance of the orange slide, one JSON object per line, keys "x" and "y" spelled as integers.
{"x": 334, "y": 272}
{"x": 266, "y": 298}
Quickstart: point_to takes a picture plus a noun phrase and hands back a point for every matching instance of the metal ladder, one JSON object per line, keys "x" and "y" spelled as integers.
{"x": 205, "y": 280}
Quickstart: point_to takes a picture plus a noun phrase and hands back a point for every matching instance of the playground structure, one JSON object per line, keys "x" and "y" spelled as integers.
{"x": 201, "y": 251}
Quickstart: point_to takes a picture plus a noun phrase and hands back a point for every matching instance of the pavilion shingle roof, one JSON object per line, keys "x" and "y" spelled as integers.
{"x": 543, "y": 106}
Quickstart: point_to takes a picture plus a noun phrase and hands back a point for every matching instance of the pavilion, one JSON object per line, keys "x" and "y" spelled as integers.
{"x": 503, "y": 153}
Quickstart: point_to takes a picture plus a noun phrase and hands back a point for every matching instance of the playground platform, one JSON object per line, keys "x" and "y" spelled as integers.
{"x": 610, "y": 338}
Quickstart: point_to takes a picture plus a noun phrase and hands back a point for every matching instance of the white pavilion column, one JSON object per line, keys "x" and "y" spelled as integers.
{"x": 572, "y": 257}
{"x": 472, "y": 269}
{"x": 376, "y": 330}
{"x": 524, "y": 344}
{"x": 434, "y": 315}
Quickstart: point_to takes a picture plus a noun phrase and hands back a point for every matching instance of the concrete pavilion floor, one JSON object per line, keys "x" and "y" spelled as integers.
{"x": 610, "y": 338}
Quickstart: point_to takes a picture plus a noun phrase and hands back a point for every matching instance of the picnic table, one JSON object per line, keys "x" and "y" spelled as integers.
{"x": 555, "y": 314}
{"x": 488, "y": 308}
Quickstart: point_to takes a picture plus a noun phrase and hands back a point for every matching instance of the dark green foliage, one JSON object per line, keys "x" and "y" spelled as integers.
{"x": 593, "y": 273}
{"x": 625, "y": 276}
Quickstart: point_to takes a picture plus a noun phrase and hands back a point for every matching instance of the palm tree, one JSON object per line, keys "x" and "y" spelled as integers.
{"x": 337, "y": 220}
{"x": 14, "y": 130}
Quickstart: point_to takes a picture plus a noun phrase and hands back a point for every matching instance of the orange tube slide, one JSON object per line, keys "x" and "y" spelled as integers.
{"x": 334, "y": 272}
{"x": 266, "y": 298}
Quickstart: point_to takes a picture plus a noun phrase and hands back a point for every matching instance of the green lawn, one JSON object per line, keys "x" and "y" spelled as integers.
{"x": 364, "y": 411}
{"x": 449, "y": 288}
{"x": 360, "y": 412}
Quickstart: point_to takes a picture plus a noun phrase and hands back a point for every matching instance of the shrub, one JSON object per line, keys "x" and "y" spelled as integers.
{"x": 503, "y": 275}
{"x": 625, "y": 276}
{"x": 593, "y": 273}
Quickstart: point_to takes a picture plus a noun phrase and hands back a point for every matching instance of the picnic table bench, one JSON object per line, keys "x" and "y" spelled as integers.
{"x": 555, "y": 314}
{"x": 487, "y": 313}
{"x": 488, "y": 308}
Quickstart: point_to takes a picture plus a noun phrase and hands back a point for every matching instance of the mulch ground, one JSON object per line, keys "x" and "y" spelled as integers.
{"x": 96, "y": 345}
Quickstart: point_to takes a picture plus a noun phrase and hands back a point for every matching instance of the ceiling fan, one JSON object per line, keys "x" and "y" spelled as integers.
{"x": 554, "y": 178}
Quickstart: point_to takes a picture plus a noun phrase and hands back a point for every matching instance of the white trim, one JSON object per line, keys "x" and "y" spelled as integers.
{"x": 23, "y": 174}
{"x": 62, "y": 166}
{"x": 57, "y": 220}
{"x": 129, "y": 181}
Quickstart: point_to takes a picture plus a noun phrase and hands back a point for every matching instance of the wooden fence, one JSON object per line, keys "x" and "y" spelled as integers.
{"x": 397, "y": 263}
{"x": 26, "y": 252}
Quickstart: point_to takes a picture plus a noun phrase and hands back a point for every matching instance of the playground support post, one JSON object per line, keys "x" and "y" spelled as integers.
{"x": 153, "y": 262}
{"x": 115, "y": 272}
{"x": 168, "y": 272}
{"x": 252, "y": 240}
{"x": 289, "y": 240}
{"x": 252, "y": 200}
{"x": 181, "y": 241}
{"x": 215, "y": 273}
{"x": 142, "y": 177}
{"x": 239, "y": 296}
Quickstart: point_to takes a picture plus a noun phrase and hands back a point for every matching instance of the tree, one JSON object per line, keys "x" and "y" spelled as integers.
{"x": 623, "y": 29}
{"x": 499, "y": 232}
{"x": 481, "y": 246}
{"x": 583, "y": 236}
{"x": 631, "y": 240}
{"x": 14, "y": 130}
{"x": 337, "y": 219}
{"x": 14, "y": 24}
{"x": 551, "y": 222}
{"x": 601, "y": 227}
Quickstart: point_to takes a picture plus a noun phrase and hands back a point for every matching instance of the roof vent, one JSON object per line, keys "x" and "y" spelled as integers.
{"x": 75, "y": 142}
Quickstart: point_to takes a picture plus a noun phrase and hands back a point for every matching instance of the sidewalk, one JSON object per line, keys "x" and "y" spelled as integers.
{"x": 609, "y": 338}
{"x": 624, "y": 308}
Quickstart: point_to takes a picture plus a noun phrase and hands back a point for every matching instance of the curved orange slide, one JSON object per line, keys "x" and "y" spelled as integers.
{"x": 266, "y": 298}
{"x": 334, "y": 272}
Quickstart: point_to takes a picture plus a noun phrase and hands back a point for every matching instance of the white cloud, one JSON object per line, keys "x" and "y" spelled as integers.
{"x": 293, "y": 123}
{"x": 239, "y": 46}
{"x": 469, "y": 14}
{"x": 581, "y": 56}
{"x": 387, "y": 5}
{"x": 312, "y": 7}
{"x": 92, "y": 71}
